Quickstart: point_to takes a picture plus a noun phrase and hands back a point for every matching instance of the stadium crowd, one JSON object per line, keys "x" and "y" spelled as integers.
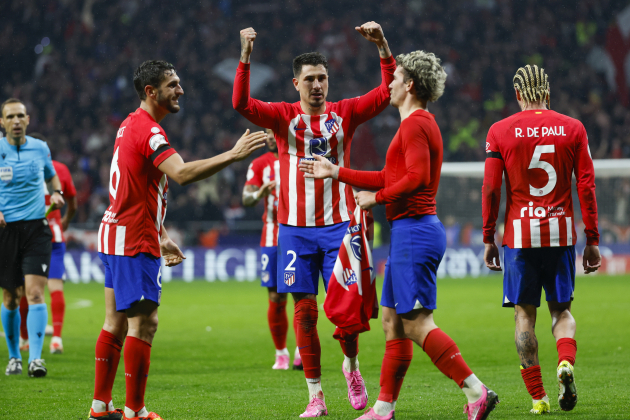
{"x": 72, "y": 63}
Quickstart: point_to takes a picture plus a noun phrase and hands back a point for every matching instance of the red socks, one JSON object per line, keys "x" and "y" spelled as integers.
{"x": 567, "y": 347}
{"x": 398, "y": 355}
{"x": 58, "y": 308}
{"x": 108, "y": 348}
{"x": 278, "y": 323}
{"x": 24, "y": 314}
{"x": 307, "y": 339}
{"x": 446, "y": 356}
{"x": 533, "y": 382}
{"x": 137, "y": 361}
{"x": 349, "y": 342}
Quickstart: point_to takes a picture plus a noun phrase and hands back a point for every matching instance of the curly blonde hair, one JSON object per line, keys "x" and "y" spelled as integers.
{"x": 532, "y": 83}
{"x": 425, "y": 70}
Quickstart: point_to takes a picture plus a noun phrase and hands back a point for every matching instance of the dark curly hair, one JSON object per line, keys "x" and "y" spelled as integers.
{"x": 306, "y": 59}
{"x": 150, "y": 73}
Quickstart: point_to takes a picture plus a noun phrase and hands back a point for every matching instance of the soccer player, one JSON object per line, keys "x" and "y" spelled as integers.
{"x": 25, "y": 238}
{"x": 132, "y": 238}
{"x": 407, "y": 186}
{"x": 538, "y": 150}
{"x": 57, "y": 271}
{"x": 314, "y": 214}
{"x": 263, "y": 181}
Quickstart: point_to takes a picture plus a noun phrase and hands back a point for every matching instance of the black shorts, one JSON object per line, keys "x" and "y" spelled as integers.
{"x": 25, "y": 248}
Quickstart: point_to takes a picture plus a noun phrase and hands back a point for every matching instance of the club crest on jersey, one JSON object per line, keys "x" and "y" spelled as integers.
{"x": 349, "y": 277}
{"x": 289, "y": 278}
{"x": 264, "y": 276}
{"x": 332, "y": 126}
{"x": 355, "y": 245}
{"x": 318, "y": 146}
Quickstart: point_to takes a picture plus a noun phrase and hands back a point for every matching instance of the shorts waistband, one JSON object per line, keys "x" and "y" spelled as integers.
{"x": 411, "y": 221}
{"x": 25, "y": 222}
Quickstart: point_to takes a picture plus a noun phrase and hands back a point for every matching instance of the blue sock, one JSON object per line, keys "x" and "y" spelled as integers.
{"x": 11, "y": 324}
{"x": 36, "y": 324}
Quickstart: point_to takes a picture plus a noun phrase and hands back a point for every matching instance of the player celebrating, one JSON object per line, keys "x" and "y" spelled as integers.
{"x": 263, "y": 181}
{"x": 25, "y": 239}
{"x": 132, "y": 238}
{"x": 314, "y": 214}
{"x": 407, "y": 186}
{"x": 538, "y": 150}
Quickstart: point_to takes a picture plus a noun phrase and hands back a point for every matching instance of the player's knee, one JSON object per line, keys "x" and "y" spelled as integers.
{"x": 10, "y": 299}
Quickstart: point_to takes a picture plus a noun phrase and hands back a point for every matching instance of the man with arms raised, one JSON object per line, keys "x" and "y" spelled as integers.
{"x": 314, "y": 214}
{"x": 538, "y": 150}
{"x": 407, "y": 186}
{"x": 131, "y": 238}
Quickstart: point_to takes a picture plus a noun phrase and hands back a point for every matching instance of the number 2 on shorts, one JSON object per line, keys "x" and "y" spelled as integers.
{"x": 290, "y": 266}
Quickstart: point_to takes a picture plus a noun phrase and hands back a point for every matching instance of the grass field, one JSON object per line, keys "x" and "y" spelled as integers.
{"x": 212, "y": 357}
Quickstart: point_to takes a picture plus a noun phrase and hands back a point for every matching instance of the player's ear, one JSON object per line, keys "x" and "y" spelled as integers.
{"x": 150, "y": 91}
{"x": 410, "y": 85}
{"x": 518, "y": 95}
{"x": 295, "y": 83}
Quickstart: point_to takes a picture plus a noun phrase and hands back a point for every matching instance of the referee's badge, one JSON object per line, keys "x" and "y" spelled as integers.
{"x": 6, "y": 174}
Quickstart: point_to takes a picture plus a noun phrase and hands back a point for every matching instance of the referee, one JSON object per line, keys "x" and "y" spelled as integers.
{"x": 25, "y": 238}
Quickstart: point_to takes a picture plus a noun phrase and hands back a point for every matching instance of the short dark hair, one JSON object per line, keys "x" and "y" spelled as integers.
{"x": 306, "y": 59}
{"x": 10, "y": 101}
{"x": 150, "y": 73}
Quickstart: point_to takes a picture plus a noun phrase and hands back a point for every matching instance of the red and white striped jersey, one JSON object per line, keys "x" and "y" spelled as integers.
{"x": 264, "y": 169}
{"x": 539, "y": 150}
{"x": 137, "y": 189}
{"x": 307, "y": 201}
{"x": 69, "y": 191}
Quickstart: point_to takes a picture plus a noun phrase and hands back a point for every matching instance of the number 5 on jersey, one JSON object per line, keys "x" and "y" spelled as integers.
{"x": 547, "y": 167}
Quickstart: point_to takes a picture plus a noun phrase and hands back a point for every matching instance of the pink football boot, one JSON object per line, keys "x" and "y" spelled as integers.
{"x": 315, "y": 408}
{"x": 481, "y": 409}
{"x": 282, "y": 362}
{"x": 357, "y": 393}
{"x": 371, "y": 415}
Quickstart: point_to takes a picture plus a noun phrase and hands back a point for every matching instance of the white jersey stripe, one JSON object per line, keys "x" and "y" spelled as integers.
{"x": 328, "y": 196}
{"x": 293, "y": 198}
{"x": 534, "y": 232}
{"x": 106, "y": 239}
{"x": 569, "y": 231}
{"x": 518, "y": 237}
{"x": 121, "y": 231}
{"x": 99, "y": 247}
{"x": 57, "y": 232}
{"x": 343, "y": 206}
{"x": 309, "y": 183}
{"x": 554, "y": 232}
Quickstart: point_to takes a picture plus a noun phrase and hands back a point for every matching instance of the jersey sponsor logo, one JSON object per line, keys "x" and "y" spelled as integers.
{"x": 332, "y": 126}
{"x": 6, "y": 174}
{"x": 157, "y": 141}
{"x": 109, "y": 217}
{"x": 318, "y": 146}
{"x": 540, "y": 212}
{"x": 349, "y": 276}
{"x": 289, "y": 278}
{"x": 121, "y": 131}
{"x": 331, "y": 159}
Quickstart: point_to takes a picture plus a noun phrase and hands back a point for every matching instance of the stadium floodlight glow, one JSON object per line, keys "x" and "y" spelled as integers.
{"x": 39, "y": 49}
{"x": 45, "y": 41}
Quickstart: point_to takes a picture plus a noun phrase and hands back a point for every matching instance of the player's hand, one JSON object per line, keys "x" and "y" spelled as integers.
{"x": 371, "y": 31}
{"x": 57, "y": 200}
{"x": 267, "y": 188}
{"x": 366, "y": 199}
{"x": 3, "y": 223}
{"x": 247, "y": 144}
{"x": 247, "y": 43}
{"x": 64, "y": 224}
{"x": 320, "y": 168}
{"x": 171, "y": 253}
{"x": 490, "y": 255}
{"x": 592, "y": 259}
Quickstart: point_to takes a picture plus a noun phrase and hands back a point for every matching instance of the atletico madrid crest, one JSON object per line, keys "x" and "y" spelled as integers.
{"x": 289, "y": 278}
{"x": 332, "y": 126}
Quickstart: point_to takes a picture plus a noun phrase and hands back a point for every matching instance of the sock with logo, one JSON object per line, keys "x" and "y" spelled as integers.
{"x": 278, "y": 323}
{"x": 446, "y": 356}
{"x": 567, "y": 347}
{"x": 23, "y": 315}
{"x": 108, "y": 348}
{"x": 137, "y": 361}
{"x": 36, "y": 323}
{"x": 307, "y": 338}
{"x": 58, "y": 308}
{"x": 11, "y": 325}
{"x": 533, "y": 381}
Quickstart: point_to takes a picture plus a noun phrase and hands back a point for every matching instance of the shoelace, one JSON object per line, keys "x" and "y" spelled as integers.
{"x": 314, "y": 403}
{"x": 356, "y": 382}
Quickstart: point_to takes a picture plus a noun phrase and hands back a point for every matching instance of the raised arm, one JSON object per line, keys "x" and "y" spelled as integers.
{"x": 374, "y": 102}
{"x": 258, "y": 112}
{"x": 490, "y": 201}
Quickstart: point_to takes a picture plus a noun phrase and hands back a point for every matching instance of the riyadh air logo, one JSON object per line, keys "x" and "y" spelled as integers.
{"x": 355, "y": 245}
{"x": 349, "y": 277}
{"x": 318, "y": 146}
{"x": 289, "y": 278}
{"x": 332, "y": 126}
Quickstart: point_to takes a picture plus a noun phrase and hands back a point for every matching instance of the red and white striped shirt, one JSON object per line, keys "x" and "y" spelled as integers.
{"x": 264, "y": 169}
{"x": 137, "y": 189}
{"x": 307, "y": 201}
{"x": 69, "y": 191}
{"x": 539, "y": 150}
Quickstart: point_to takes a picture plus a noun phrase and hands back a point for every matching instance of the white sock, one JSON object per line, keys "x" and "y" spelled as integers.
{"x": 296, "y": 355}
{"x": 315, "y": 388}
{"x": 99, "y": 406}
{"x": 350, "y": 364}
{"x": 283, "y": 352}
{"x": 473, "y": 388}
{"x": 383, "y": 408}
{"x": 545, "y": 399}
{"x": 130, "y": 413}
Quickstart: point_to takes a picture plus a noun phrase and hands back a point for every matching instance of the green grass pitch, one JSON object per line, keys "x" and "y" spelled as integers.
{"x": 212, "y": 357}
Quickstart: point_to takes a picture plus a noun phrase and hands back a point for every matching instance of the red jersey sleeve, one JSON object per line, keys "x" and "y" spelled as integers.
{"x": 375, "y": 101}
{"x": 67, "y": 186}
{"x": 153, "y": 144}
{"x": 585, "y": 181}
{"x": 254, "y": 174}
{"x": 369, "y": 180}
{"x": 415, "y": 146}
{"x": 263, "y": 114}
{"x": 491, "y": 189}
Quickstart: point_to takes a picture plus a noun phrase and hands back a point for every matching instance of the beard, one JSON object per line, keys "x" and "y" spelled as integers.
{"x": 273, "y": 149}
{"x": 165, "y": 102}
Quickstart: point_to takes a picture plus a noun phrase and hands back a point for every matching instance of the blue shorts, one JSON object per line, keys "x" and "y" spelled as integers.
{"x": 529, "y": 270}
{"x": 57, "y": 268}
{"x": 416, "y": 249}
{"x": 304, "y": 253}
{"x": 133, "y": 278}
{"x": 269, "y": 266}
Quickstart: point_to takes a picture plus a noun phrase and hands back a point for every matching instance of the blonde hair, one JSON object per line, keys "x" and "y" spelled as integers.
{"x": 425, "y": 70}
{"x": 531, "y": 82}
